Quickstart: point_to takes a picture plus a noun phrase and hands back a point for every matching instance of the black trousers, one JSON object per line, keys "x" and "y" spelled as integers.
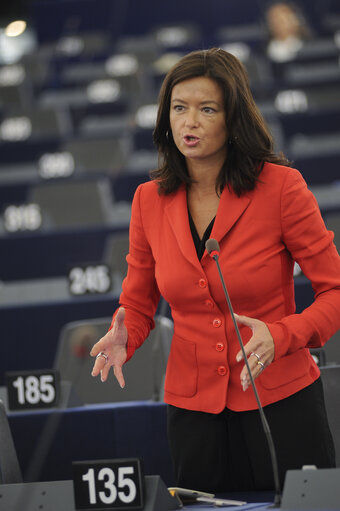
{"x": 229, "y": 451}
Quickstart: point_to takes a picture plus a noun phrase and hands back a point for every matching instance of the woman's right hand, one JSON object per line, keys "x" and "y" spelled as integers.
{"x": 113, "y": 346}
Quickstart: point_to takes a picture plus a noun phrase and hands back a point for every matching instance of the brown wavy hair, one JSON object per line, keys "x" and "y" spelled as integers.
{"x": 250, "y": 143}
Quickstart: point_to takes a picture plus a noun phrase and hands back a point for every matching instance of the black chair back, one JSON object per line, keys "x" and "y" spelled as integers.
{"x": 10, "y": 471}
{"x": 330, "y": 376}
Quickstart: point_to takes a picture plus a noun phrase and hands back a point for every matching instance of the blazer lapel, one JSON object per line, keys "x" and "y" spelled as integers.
{"x": 229, "y": 211}
{"x": 177, "y": 212}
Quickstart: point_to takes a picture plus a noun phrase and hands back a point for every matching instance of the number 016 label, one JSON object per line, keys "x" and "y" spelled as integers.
{"x": 108, "y": 484}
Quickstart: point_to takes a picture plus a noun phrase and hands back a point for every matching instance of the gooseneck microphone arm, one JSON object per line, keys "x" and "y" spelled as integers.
{"x": 213, "y": 250}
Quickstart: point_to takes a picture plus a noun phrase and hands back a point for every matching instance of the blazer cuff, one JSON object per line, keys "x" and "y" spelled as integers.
{"x": 279, "y": 335}
{"x": 130, "y": 350}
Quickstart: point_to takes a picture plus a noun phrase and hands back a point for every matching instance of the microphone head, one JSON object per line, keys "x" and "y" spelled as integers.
{"x": 212, "y": 247}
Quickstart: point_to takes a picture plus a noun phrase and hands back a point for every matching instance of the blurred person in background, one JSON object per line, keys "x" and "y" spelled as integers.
{"x": 287, "y": 29}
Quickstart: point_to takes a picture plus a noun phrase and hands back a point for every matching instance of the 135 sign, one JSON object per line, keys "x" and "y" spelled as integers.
{"x": 108, "y": 484}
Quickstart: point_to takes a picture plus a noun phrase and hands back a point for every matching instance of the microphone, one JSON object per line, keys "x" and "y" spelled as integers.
{"x": 213, "y": 250}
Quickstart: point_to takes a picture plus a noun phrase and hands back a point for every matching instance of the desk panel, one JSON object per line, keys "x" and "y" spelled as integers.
{"x": 120, "y": 430}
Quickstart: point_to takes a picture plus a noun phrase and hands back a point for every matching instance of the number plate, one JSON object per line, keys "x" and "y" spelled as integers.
{"x": 108, "y": 484}
{"x": 90, "y": 279}
{"x": 22, "y": 217}
{"x": 32, "y": 389}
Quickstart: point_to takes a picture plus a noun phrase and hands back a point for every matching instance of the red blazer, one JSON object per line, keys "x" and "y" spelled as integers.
{"x": 260, "y": 234}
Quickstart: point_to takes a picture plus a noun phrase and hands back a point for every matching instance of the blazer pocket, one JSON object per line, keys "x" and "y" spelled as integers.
{"x": 182, "y": 370}
{"x": 286, "y": 369}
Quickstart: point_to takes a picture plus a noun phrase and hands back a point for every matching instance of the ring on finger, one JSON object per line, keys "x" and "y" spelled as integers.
{"x": 102, "y": 354}
{"x": 259, "y": 363}
{"x": 255, "y": 355}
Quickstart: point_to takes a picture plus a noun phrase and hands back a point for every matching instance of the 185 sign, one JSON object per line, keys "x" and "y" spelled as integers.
{"x": 32, "y": 389}
{"x": 108, "y": 484}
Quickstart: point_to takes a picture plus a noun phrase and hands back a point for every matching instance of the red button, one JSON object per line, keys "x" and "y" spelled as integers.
{"x": 219, "y": 346}
{"x": 209, "y": 304}
{"x": 202, "y": 283}
{"x": 222, "y": 370}
{"x": 217, "y": 323}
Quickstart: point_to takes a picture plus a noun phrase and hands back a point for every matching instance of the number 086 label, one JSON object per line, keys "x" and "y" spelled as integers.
{"x": 108, "y": 484}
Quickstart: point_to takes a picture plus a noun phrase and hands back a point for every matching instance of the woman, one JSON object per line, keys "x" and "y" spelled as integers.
{"x": 219, "y": 178}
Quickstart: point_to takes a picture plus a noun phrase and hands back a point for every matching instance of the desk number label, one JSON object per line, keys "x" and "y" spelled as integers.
{"x": 93, "y": 279}
{"x": 27, "y": 217}
{"x": 113, "y": 484}
{"x": 33, "y": 390}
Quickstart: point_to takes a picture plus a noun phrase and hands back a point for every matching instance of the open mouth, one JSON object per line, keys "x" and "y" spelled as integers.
{"x": 190, "y": 138}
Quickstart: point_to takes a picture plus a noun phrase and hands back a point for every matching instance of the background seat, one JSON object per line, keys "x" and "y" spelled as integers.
{"x": 331, "y": 382}
{"x": 98, "y": 154}
{"x": 73, "y": 203}
{"x": 10, "y": 471}
{"x": 333, "y": 224}
{"x": 115, "y": 251}
{"x": 332, "y": 350}
{"x": 144, "y": 373}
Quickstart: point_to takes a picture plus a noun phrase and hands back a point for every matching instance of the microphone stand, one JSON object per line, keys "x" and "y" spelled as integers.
{"x": 213, "y": 250}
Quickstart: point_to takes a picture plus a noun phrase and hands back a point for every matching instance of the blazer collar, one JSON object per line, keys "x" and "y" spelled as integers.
{"x": 229, "y": 210}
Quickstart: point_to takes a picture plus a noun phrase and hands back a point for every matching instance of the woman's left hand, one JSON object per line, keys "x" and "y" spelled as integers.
{"x": 259, "y": 349}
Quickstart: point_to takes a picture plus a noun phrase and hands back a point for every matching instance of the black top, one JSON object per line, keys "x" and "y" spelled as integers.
{"x": 200, "y": 243}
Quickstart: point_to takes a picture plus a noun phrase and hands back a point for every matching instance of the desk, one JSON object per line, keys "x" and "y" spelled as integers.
{"x": 254, "y": 500}
{"x": 57, "y": 495}
{"x": 259, "y": 506}
{"x": 121, "y": 430}
{"x": 112, "y": 430}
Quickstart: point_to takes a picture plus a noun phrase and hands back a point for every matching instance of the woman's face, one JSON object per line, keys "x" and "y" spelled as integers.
{"x": 197, "y": 120}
